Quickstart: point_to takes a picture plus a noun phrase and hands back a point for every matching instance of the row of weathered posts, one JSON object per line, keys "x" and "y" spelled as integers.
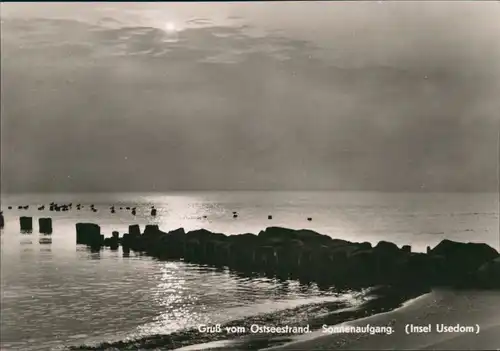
{"x": 44, "y": 225}
{"x": 311, "y": 257}
{"x": 26, "y": 224}
{"x": 303, "y": 254}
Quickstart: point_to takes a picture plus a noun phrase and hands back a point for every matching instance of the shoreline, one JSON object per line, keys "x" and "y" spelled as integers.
{"x": 440, "y": 306}
{"x": 381, "y": 300}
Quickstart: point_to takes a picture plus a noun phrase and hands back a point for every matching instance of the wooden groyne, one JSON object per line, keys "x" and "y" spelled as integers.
{"x": 311, "y": 257}
{"x": 300, "y": 254}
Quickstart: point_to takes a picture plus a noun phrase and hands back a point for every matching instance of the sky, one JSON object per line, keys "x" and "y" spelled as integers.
{"x": 381, "y": 96}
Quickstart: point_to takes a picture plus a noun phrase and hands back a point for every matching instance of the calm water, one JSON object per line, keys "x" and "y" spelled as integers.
{"x": 59, "y": 294}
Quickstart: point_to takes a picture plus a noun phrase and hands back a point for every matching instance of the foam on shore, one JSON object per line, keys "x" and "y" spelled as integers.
{"x": 438, "y": 307}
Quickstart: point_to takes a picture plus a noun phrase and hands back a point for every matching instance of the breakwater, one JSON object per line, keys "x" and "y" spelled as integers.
{"x": 311, "y": 257}
{"x": 304, "y": 255}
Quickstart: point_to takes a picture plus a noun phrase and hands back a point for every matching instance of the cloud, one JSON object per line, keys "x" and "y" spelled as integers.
{"x": 125, "y": 108}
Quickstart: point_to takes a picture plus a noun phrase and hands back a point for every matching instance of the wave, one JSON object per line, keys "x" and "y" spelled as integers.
{"x": 315, "y": 315}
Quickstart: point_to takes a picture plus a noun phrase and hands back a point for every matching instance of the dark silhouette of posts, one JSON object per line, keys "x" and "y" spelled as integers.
{"x": 126, "y": 239}
{"x": 26, "y": 224}
{"x": 1, "y": 220}
{"x": 134, "y": 230}
{"x": 114, "y": 241}
{"x": 151, "y": 229}
{"x": 89, "y": 234}
{"x": 45, "y": 225}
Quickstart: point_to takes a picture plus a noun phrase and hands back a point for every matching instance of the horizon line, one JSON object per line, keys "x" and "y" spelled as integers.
{"x": 247, "y": 190}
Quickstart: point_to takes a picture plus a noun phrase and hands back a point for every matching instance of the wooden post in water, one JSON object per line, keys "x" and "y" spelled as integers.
{"x": 88, "y": 234}
{"x": 126, "y": 242}
{"x": 114, "y": 240}
{"x": 45, "y": 225}
{"x": 26, "y": 224}
{"x": 134, "y": 230}
{"x": 151, "y": 229}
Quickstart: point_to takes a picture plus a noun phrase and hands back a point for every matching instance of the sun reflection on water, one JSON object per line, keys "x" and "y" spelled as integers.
{"x": 178, "y": 304}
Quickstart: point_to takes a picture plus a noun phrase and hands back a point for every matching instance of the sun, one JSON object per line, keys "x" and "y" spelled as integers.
{"x": 171, "y": 27}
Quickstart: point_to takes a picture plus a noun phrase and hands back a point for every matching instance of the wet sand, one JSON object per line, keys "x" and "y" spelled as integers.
{"x": 440, "y": 306}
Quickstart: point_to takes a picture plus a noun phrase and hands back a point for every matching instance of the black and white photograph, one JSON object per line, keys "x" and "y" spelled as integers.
{"x": 253, "y": 175}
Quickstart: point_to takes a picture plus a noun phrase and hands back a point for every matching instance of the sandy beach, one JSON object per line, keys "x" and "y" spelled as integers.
{"x": 466, "y": 308}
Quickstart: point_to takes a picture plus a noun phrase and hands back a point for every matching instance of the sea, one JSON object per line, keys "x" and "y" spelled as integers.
{"x": 55, "y": 294}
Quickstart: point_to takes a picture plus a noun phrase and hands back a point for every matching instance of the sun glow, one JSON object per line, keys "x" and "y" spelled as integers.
{"x": 171, "y": 27}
